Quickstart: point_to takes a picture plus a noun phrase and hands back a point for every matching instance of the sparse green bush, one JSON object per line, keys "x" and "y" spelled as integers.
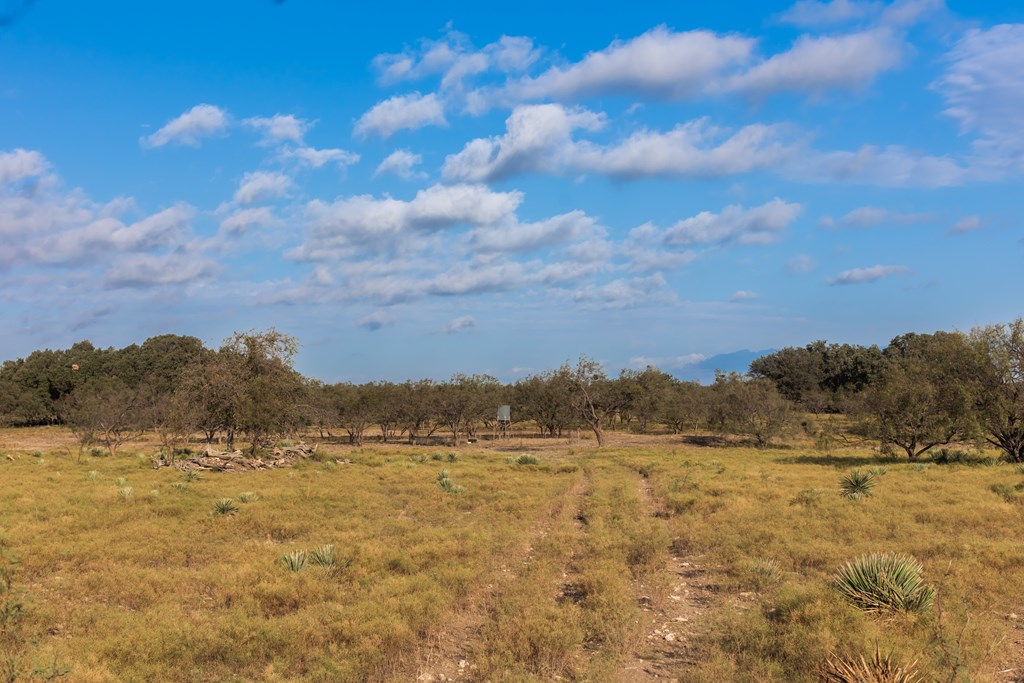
{"x": 856, "y": 485}
{"x": 446, "y": 484}
{"x": 179, "y": 486}
{"x": 97, "y": 452}
{"x": 763, "y": 573}
{"x": 877, "y": 470}
{"x": 885, "y": 582}
{"x": 294, "y": 561}
{"x": 880, "y": 669}
{"x": 806, "y": 497}
{"x": 527, "y": 459}
{"x": 437, "y": 457}
{"x": 453, "y": 457}
{"x": 225, "y": 506}
{"x": 247, "y": 497}
{"x": 192, "y": 475}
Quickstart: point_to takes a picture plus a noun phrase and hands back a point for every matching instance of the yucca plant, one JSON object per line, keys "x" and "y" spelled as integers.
{"x": 294, "y": 561}
{"x": 179, "y": 486}
{"x": 856, "y": 485}
{"x": 453, "y": 457}
{"x": 527, "y": 459}
{"x": 446, "y": 484}
{"x": 247, "y": 497}
{"x": 880, "y": 669}
{"x": 125, "y": 492}
{"x": 192, "y": 475}
{"x": 324, "y": 556}
{"x": 885, "y": 582}
{"x": 225, "y": 506}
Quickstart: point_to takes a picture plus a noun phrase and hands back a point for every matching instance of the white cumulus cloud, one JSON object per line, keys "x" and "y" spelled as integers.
{"x": 261, "y": 185}
{"x": 201, "y": 121}
{"x": 402, "y": 112}
{"x": 279, "y": 128}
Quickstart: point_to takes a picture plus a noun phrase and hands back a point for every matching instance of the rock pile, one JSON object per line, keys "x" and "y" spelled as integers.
{"x": 237, "y": 461}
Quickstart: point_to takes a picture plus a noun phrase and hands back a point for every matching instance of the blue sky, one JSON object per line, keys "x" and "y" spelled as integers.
{"x": 415, "y": 189}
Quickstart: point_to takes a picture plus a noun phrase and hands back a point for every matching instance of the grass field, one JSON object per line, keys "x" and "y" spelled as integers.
{"x": 648, "y": 557}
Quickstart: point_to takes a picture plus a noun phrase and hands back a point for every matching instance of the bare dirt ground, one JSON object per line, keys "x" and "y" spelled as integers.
{"x": 672, "y": 621}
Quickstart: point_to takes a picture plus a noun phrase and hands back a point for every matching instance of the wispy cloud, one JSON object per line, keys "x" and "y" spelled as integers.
{"x": 871, "y": 274}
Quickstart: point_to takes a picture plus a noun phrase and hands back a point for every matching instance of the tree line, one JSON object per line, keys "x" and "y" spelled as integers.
{"x": 918, "y": 392}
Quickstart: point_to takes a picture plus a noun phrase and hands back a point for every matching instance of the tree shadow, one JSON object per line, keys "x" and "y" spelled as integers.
{"x": 837, "y": 461}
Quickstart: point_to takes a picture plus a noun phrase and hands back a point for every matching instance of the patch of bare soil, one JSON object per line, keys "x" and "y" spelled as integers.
{"x": 672, "y": 621}
{"x": 447, "y": 654}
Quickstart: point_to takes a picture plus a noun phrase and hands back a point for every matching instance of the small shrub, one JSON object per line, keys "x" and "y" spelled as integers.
{"x": 921, "y": 466}
{"x": 806, "y": 497}
{"x": 1019, "y": 469}
{"x": 878, "y": 670}
{"x": 421, "y": 460}
{"x": 37, "y": 454}
{"x": 125, "y": 492}
{"x": 295, "y": 561}
{"x": 527, "y": 459}
{"x": 247, "y": 497}
{"x": 192, "y": 475}
{"x": 179, "y": 486}
{"x": 1011, "y": 494}
{"x": 437, "y": 457}
{"x": 885, "y": 582}
{"x": 453, "y": 457}
{"x": 447, "y": 485}
{"x": 877, "y": 470}
{"x": 225, "y": 506}
{"x": 324, "y": 556}
{"x": 97, "y": 452}
{"x": 856, "y": 485}
{"x": 764, "y": 573}
{"x": 121, "y": 481}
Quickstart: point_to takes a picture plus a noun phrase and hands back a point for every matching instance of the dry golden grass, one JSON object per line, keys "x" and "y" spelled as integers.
{"x": 156, "y": 586}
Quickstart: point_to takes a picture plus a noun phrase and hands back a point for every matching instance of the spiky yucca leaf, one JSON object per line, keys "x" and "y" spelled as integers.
{"x": 856, "y": 485}
{"x": 324, "y": 556}
{"x": 885, "y": 582}
{"x": 225, "y": 506}
{"x": 446, "y": 483}
{"x": 879, "y": 669}
{"x": 294, "y": 561}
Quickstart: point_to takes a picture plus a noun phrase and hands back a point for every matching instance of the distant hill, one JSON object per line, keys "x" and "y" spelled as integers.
{"x": 704, "y": 371}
